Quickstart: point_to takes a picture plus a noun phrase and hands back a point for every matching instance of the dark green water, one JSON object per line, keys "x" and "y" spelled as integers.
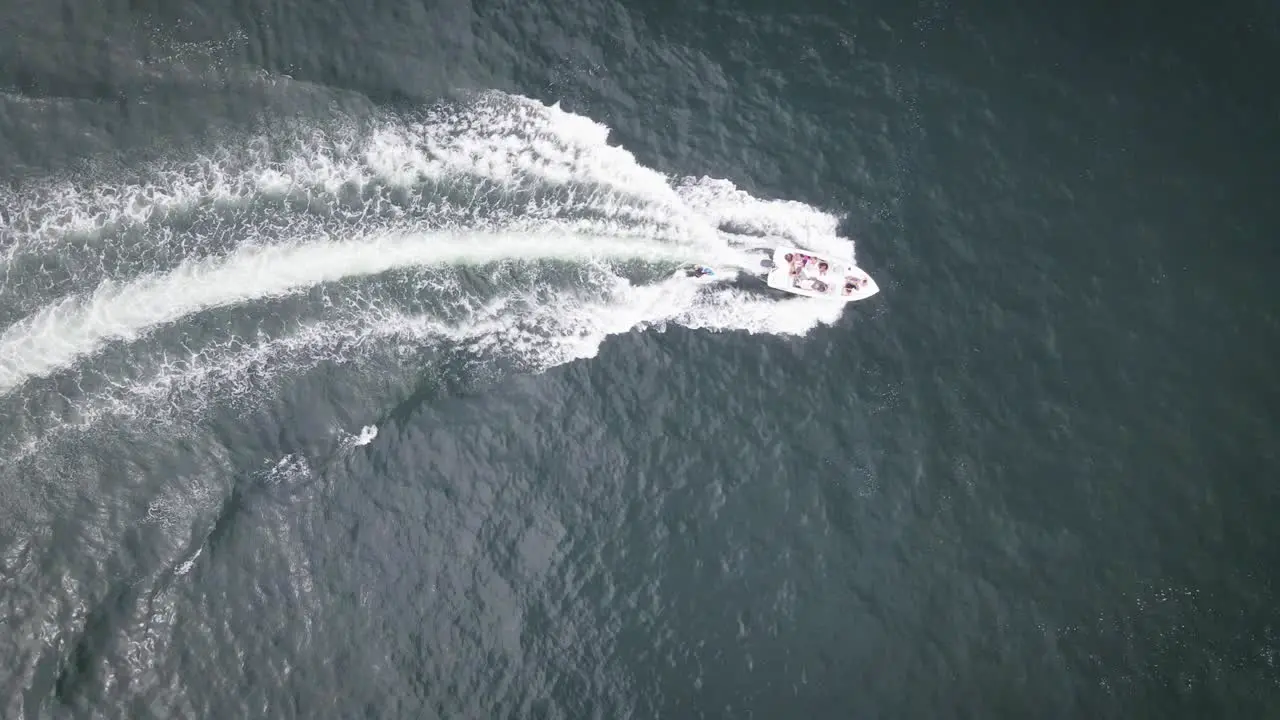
{"x": 340, "y": 376}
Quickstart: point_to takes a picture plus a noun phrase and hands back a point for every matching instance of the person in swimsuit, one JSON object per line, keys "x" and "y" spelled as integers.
{"x": 817, "y": 280}
{"x": 797, "y": 262}
{"x": 853, "y": 283}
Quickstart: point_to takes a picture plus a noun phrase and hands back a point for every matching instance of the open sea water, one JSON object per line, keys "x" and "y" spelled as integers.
{"x": 347, "y": 368}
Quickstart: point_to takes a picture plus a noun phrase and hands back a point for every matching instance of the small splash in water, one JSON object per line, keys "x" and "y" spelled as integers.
{"x": 366, "y": 436}
{"x": 189, "y": 563}
{"x": 290, "y": 469}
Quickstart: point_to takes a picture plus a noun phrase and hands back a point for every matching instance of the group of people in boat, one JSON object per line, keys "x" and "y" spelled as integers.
{"x": 812, "y": 273}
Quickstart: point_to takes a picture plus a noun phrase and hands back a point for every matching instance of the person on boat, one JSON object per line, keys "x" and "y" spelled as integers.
{"x": 795, "y": 267}
{"x": 818, "y": 278}
{"x": 853, "y": 283}
{"x": 701, "y": 271}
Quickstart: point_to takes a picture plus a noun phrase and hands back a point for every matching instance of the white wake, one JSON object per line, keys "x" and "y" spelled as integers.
{"x": 537, "y": 183}
{"x": 59, "y": 334}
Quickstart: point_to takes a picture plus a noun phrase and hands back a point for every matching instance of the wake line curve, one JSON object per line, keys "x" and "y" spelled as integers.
{"x": 59, "y": 335}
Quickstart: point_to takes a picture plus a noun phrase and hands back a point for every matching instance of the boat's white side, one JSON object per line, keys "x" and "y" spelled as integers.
{"x": 781, "y": 277}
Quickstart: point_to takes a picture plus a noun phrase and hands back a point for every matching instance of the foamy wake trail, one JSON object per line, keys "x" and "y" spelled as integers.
{"x": 500, "y": 178}
{"x": 58, "y": 335}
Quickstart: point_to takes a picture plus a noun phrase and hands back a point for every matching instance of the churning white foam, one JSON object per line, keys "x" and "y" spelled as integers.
{"x": 59, "y": 334}
{"x": 367, "y": 435}
{"x": 513, "y": 144}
